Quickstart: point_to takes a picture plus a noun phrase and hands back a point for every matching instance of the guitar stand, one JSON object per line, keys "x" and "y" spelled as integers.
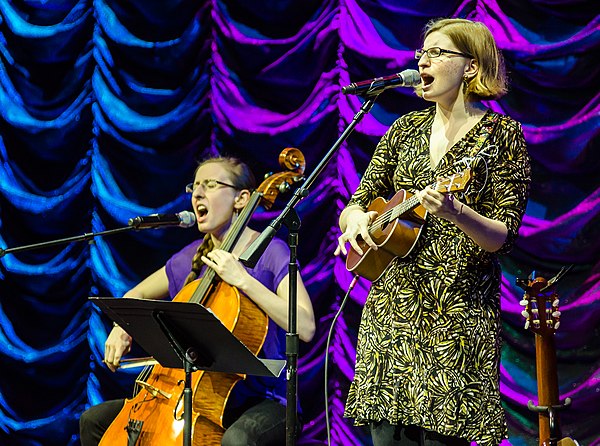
{"x": 551, "y": 411}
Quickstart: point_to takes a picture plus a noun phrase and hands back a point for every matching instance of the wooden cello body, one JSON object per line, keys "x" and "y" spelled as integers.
{"x": 154, "y": 416}
{"x": 156, "y": 411}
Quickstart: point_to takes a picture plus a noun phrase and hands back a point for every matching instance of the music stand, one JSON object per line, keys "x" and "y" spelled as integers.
{"x": 185, "y": 335}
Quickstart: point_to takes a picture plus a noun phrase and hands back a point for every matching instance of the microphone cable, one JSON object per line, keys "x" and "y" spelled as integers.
{"x": 344, "y": 300}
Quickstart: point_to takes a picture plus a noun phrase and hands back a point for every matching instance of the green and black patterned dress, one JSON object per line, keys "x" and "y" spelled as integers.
{"x": 428, "y": 347}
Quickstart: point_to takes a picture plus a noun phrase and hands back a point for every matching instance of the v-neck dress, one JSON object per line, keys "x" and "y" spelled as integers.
{"x": 428, "y": 347}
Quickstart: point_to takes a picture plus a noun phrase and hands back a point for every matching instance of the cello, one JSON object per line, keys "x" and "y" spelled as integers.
{"x": 542, "y": 317}
{"x": 154, "y": 416}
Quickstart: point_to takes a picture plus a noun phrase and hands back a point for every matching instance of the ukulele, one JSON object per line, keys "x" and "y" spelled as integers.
{"x": 542, "y": 317}
{"x": 396, "y": 229}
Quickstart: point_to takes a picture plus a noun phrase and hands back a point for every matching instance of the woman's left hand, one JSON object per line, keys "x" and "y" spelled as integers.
{"x": 445, "y": 206}
{"x": 227, "y": 266}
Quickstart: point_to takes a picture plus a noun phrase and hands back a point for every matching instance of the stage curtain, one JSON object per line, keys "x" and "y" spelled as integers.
{"x": 106, "y": 107}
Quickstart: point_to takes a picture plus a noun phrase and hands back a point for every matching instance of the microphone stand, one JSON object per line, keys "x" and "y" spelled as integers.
{"x": 133, "y": 224}
{"x": 250, "y": 256}
{"x": 77, "y": 238}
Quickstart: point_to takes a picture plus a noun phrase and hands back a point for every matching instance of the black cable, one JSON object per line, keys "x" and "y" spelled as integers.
{"x": 350, "y": 288}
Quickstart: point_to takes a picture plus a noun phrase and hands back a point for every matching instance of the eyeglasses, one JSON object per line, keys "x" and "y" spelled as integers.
{"x": 437, "y": 52}
{"x": 207, "y": 185}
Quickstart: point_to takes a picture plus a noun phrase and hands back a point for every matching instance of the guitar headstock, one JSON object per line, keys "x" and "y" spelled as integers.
{"x": 541, "y": 313}
{"x": 457, "y": 182}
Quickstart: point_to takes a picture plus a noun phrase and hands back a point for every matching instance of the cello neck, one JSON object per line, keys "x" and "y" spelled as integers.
{"x": 229, "y": 242}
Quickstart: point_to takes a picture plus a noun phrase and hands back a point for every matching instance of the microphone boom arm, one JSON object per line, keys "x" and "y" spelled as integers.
{"x": 186, "y": 220}
{"x": 77, "y": 238}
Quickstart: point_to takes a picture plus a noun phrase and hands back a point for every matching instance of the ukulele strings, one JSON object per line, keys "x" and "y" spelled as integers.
{"x": 399, "y": 209}
{"x": 403, "y": 207}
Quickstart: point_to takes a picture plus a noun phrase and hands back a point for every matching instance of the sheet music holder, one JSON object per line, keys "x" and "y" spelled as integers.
{"x": 185, "y": 335}
{"x": 194, "y": 327}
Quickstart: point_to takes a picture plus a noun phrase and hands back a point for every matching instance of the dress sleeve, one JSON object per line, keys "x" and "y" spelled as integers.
{"x": 510, "y": 178}
{"x": 378, "y": 178}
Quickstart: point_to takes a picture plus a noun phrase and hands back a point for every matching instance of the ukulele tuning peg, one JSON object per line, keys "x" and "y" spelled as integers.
{"x": 523, "y": 302}
{"x": 557, "y": 325}
{"x": 556, "y": 314}
{"x": 526, "y": 324}
{"x": 555, "y": 302}
{"x": 525, "y": 314}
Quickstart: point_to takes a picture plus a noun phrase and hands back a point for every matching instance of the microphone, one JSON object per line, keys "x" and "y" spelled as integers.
{"x": 184, "y": 219}
{"x": 372, "y": 87}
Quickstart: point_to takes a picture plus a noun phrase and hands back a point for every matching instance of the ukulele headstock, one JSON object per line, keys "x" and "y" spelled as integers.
{"x": 457, "y": 182}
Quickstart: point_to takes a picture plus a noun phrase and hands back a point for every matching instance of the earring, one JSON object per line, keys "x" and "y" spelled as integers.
{"x": 465, "y": 83}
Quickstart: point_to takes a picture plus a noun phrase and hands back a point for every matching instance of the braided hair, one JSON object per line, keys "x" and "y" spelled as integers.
{"x": 242, "y": 178}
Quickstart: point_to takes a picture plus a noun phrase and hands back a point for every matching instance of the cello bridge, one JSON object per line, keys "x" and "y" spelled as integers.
{"x": 153, "y": 390}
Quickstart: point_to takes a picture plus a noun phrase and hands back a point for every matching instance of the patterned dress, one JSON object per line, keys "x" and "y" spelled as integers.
{"x": 428, "y": 348}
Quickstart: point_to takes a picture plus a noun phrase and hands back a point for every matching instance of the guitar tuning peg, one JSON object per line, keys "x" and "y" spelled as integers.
{"x": 556, "y": 314}
{"x": 523, "y": 302}
{"x": 525, "y": 314}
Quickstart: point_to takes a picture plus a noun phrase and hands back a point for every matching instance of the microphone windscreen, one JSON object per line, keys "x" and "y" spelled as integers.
{"x": 188, "y": 219}
{"x": 411, "y": 77}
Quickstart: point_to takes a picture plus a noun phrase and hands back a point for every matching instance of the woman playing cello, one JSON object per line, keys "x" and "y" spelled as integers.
{"x": 255, "y": 410}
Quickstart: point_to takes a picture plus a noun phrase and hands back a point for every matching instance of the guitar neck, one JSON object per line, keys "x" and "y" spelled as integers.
{"x": 547, "y": 381}
{"x": 547, "y": 378}
{"x": 543, "y": 319}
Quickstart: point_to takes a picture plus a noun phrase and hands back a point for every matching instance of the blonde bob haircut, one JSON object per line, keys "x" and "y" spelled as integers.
{"x": 475, "y": 38}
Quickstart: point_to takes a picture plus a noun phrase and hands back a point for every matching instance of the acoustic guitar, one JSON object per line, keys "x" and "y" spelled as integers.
{"x": 396, "y": 229}
{"x": 542, "y": 317}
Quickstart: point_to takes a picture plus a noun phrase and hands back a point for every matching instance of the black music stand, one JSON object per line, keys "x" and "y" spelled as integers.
{"x": 185, "y": 335}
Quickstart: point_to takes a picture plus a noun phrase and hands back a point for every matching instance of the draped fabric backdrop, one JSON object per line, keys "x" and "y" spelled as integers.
{"x": 107, "y": 105}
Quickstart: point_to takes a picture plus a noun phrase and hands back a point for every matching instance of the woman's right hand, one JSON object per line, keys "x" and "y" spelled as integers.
{"x": 117, "y": 344}
{"x": 356, "y": 222}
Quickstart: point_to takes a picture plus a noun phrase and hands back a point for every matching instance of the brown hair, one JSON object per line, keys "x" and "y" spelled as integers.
{"x": 240, "y": 174}
{"x": 242, "y": 178}
{"x": 475, "y": 38}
